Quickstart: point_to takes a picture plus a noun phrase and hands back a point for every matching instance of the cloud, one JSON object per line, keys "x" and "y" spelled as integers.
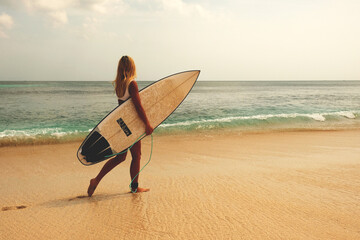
{"x": 165, "y": 8}
{"x": 57, "y": 11}
{"x": 6, "y": 22}
{"x": 183, "y": 8}
{"x": 58, "y": 17}
{"x": 86, "y": 18}
{"x": 62, "y": 5}
{"x": 89, "y": 27}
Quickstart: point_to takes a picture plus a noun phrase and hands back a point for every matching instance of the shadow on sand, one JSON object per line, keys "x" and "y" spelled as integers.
{"x": 13, "y": 208}
{"x": 71, "y": 201}
{"x": 82, "y": 199}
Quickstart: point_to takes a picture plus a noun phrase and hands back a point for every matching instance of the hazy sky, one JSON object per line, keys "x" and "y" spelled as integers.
{"x": 226, "y": 39}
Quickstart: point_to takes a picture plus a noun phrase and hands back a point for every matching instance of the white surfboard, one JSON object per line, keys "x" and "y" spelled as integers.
{"x": 122, "y": 126}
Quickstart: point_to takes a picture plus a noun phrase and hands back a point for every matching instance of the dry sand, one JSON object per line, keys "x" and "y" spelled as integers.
{"x": 291, "y": 185}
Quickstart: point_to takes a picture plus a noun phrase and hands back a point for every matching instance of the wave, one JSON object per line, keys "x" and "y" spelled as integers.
{"x": 20, "y": 85}
{"x": 39, "y": 136}
{"x": 265, "y": 119}
{"x": 55, "y": 132}
{"x": 261, "y": 122}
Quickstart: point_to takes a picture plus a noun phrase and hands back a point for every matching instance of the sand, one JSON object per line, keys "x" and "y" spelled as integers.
{"x": 285, "y": 185}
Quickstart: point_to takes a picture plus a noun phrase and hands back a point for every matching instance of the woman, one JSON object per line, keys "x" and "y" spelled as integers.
{"x": 126, "y": 87}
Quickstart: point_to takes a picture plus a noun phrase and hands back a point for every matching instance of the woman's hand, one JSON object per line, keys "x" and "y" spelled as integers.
{"x": 148, "y": 129}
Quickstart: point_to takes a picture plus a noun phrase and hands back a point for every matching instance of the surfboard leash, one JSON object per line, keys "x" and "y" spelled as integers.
{"x": 128, "y": 150}
{"x": 151, "y": 149}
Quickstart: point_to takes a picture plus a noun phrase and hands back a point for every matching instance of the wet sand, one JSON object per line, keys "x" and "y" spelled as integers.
{"x": 290, "y": 185}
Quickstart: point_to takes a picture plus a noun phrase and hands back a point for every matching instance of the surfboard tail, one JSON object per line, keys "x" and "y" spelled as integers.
{"x": 94, "y": 149}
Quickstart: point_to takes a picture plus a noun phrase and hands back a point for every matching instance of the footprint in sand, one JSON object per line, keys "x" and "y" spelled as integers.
{"x": 13, "y": 208}
{"x": 78, "y": 197}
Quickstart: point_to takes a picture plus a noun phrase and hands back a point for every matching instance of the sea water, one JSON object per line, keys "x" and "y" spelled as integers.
{"x": 50, "y": 112}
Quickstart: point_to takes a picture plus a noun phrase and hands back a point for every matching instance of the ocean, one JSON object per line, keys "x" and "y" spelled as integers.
{"x": 55, "y": 112}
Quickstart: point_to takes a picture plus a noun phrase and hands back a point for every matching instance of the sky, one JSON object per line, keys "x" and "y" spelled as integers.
{"x": 83, "y": 40}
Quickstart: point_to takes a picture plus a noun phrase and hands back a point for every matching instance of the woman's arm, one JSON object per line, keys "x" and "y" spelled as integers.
{"x": 134, "y": 93}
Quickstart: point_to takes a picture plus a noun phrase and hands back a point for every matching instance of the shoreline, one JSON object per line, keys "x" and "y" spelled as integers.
{"x": 300, "y": 184}
{"x": 32, "y": 141}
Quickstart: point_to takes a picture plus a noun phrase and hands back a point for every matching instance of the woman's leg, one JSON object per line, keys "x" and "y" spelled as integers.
{"x": 109, "y": 165}
{"x": 135, "y": 167}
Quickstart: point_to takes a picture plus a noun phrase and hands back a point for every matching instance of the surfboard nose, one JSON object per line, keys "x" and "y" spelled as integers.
{"x": 195, "y": 73}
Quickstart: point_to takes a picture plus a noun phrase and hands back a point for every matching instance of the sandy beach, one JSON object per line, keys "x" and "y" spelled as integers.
{"x": 283, "y": 185}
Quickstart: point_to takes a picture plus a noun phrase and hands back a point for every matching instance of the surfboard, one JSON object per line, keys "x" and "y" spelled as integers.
{"x": 122, "y": 127}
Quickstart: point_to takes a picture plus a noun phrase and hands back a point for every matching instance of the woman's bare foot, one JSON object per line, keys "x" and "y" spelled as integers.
{"x": 92, "y": 186}
{"x": 138, "y": 190}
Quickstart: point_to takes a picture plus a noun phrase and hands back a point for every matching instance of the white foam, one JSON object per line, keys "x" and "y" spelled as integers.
{"x": 321, "y": 117}
{"x": 56, "y": 132}
{"x": 14, "y": 133}
{"x": 316, "y": 116}
{"x": 61, "y": 134}
{"x": 347, "y": 114}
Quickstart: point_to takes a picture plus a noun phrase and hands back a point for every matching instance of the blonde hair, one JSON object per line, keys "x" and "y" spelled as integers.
{"x": 126, "y": 72}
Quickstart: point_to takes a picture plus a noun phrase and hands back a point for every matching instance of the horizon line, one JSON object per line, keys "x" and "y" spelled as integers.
{"x": 257, "y": 80}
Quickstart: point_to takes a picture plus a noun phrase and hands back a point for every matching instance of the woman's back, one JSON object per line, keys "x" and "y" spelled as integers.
{"x": 126, "y": 95}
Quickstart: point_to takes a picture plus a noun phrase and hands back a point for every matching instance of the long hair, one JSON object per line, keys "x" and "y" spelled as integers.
{"x": 126, "y": 72}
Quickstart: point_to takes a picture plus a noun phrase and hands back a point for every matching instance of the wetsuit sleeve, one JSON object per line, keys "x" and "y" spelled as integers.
{"x": 134, "y": 93}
